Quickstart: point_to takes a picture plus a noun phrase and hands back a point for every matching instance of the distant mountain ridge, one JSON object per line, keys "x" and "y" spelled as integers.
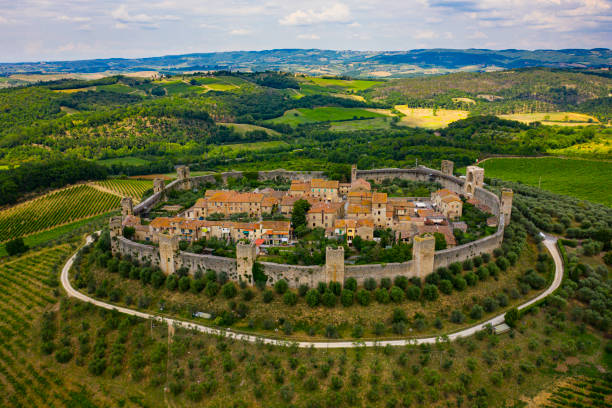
{"x": 330, "y": 62}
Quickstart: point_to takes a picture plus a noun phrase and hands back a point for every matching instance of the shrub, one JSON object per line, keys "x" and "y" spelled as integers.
{"x": 502, "y": 300}
{"x": 445, "y": 286}
{"x": 468, "y": 265}
{"x": 413, "y": 292}
{"x": 184, "y": 284}
{"x": 399, "y": 328}
{"x": 493, "y": 269}
{"x": 471, "y": 278}
{"x": 303, "y": 289}
{"x": 483, "y": 273}
{"x": 497, "y": 252}
{"x": 502, "y": 263}
{"x": 290, "y": 298}
{"x": 459, "y": 283}
{"x": 363, "y": 297}
{"x": 382, "y": 296}
{"x": 268, "y": 296}
{"x": 331, "y": 332}
{"x": 351, "y": 284}
{"x": 312, "y": 297}
{"x": 457, "y": 317}
{"x": 512, "y": 317}
{"x": 430, "y": 292}
{"x": 171, "y": 282}
{"x": 399, "y": 316}
{"x": 455, "y": 268}
{"x": 477, "y": 261}
{"x": 357, "y": 331}
{"x": 229, "y": 290}
{"x": 379, "y": 328}
{"x": 476, "y": 312}
{"x": 397, "y": 294}
{"x": 385, "y": 283}
{"x": 335, "y": 288}
{"x": 212, "y": 288}
{"x": 248, "y": 294}
{"x": 63, "y": 356}
{"x": 370, "y": 284}
{"x": 16, "y": 247}
{"x": 489, "y": 304}
{"x": 328, "y": 299}
{"x": 321, "y": 287}
{"x": 281, "y": 286}
{"x": 347, "y": 297}
{"x": 401, "y": 282}
{"x": 486, "y": 258}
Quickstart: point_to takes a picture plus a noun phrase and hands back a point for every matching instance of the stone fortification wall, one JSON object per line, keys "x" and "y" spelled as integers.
{"x": 198, "y": 262}
{"x": 140, "y": 252}
{"x": 295, "y": 275}
{"x": 378, "y": 271}
{"x": 462, "y": 252}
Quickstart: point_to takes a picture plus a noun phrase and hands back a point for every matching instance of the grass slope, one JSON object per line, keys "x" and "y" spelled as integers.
{"x": 426, "y": 118}
{"x": 584, "y": 179}
{"x": 295, "y": 117}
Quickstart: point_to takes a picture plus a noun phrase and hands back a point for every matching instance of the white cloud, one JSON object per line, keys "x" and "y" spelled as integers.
{"x": 336, "y": 13}
{"x": 124, "y": 18}
{"x": 75, "y": 19}
{"x": 240, "y": 31}
{"x": 425, "y": 35}
{"x": 308, "y": 37}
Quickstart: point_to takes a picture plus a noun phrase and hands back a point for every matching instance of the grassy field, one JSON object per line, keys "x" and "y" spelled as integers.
{"x": 220, "y": 87}
{"x": 242, "y": 128}
{"x": 57, "y": 208}
{"x": 352, "y": 85}
{"x": 368, "y": 124}
{"x": 126, "y": 188}
{"x": 231, "y": 149}
{"x": 425, "y": 118}
{"x": 584, "y": 179}
{"x": 295, "y": 117}
{"x": 126, "y": 161}
{"x": 598, "y": 148}
{"x": 553, "y": 118}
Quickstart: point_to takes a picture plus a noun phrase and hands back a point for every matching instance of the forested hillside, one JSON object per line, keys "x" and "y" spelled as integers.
{"x": 142, "y": 125}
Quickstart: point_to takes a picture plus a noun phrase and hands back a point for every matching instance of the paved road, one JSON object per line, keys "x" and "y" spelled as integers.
{"x": 549, "y": 242}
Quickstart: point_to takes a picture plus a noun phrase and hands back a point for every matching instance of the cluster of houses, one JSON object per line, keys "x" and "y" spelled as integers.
{"x": 341, "y": 209}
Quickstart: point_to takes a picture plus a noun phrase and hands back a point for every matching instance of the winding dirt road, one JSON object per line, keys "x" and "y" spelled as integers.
{"x": 549, "y": 242}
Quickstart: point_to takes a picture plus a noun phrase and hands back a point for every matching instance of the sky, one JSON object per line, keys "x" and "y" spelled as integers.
{"x": 38, "y": 30}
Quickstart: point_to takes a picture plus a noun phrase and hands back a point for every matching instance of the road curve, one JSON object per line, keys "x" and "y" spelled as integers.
{"x": 549, "y": 242}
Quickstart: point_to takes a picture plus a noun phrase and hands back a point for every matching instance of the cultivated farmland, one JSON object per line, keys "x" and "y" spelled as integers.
{"x": 296, "y": 117}
{"x": 429, "y": 118}
{"x": 54, "y": 209}
{"x": 126, "y": 188}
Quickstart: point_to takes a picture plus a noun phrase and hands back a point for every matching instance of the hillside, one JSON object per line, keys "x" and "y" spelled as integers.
{"x": 328, "y": 62}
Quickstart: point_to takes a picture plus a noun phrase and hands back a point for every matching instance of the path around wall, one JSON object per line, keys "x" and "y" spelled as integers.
{"x": 549, "y": 242}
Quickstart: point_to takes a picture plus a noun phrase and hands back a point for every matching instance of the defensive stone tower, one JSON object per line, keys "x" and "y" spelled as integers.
{"x": 474, "y": 177}
{"x": 353, "y": 173}
{"x": 114, "y": 227}
{"x": 168, "y": 247}
{"x": 127, "y": 206}
{"x": 447, "y": 167}
{"x": 423, "y": 250}
{"x": 245, "y": 258}
{"x": 506, "y": 204}
{"x": 334, "y": 264}
{"x": 183, "y": 175}
{"x": 158, "y": 185}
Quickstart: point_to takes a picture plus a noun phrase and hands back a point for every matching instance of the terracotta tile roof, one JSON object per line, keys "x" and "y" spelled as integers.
{"x": 425, "y": 212}
{"x": 451, "y": 198}
{"x": 299, "y": 186}
{"x": 359, "y": 209}
{"x": 361, "y": 184}
{"x": 329, "y": 208}
{"x": 269, "y": 201}
{"x": 365, "y": 194}
{"x": 320, "y": 183}
{"x": 365, "y": 222}
{"x": 442, "y": 229}
{"x": 235, "y": 197}
{"x": 131, "y": 220}
{"x": 283, "y": 226}
{"x": 345, "y": 223}
{"x": 443, "y": 192}
{"x": 379, "y": 198}
{"x": 200, "y": 203}
{"x": 161, "y": 222}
